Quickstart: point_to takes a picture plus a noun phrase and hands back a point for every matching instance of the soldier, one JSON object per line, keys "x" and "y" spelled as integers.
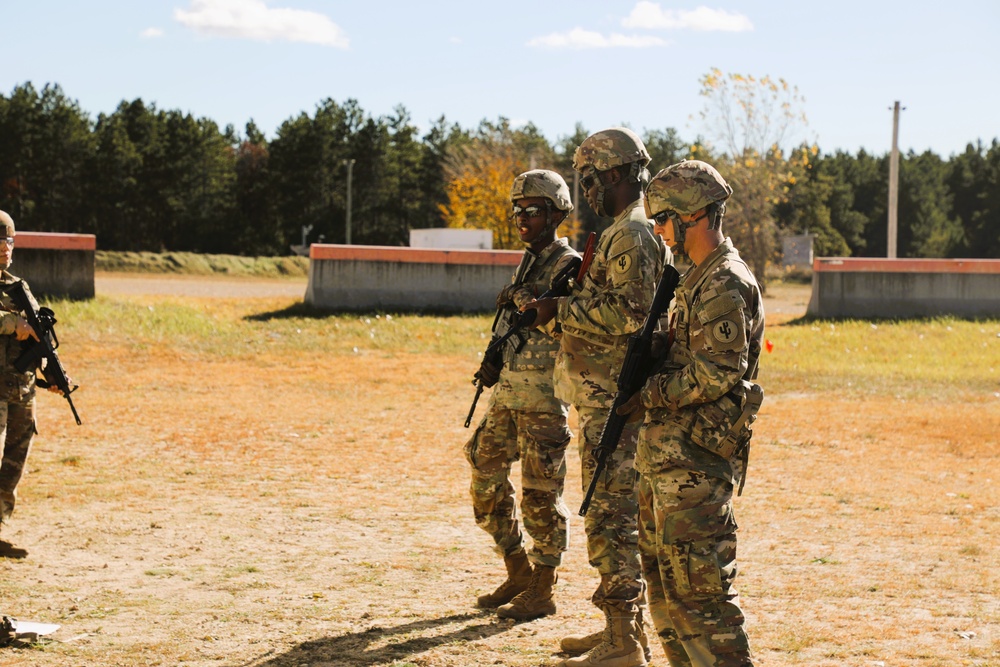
{"x": 596, "y": 321}
{"x": 694, "y": 442}
{"x": 17, "y": 404}
{"x": 525, "y": 420}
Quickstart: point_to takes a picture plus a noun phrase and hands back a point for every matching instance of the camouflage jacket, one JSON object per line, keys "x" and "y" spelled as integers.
{"x": 14, "y": 386}
{"x": 526, "y": 379}
{"x": 703, "y": 402}
{"x": 611, "y": 304}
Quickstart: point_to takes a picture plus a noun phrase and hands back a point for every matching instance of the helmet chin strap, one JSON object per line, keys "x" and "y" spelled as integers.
{"x": 550, "y": 223}
{"x": 680, "y": 233}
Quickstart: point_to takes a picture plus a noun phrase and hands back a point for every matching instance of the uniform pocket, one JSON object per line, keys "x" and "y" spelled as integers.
{"x": 713, "y": 426}
{"x": 696, "y": 569}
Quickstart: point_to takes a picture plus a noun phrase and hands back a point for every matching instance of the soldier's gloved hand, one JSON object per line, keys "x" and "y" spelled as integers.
{"x": 658, "y": 345}
{"x": 23, "y": 330}
{"x": 488, "y": 373}
{"x": 633, "y": 408}
{"x": 506, "y": 295}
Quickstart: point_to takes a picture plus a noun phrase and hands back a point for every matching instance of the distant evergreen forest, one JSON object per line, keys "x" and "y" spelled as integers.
{"x": 142, "y": 178}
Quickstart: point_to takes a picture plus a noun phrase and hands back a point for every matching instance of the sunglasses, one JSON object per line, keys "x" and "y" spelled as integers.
{"x": 588, "y": 181}
{"x": 9, "y": 241}
{"x": 527, "y": 211}
{"x": 662, "y": 217}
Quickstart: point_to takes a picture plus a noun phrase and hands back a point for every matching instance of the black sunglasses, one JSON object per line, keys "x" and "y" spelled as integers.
{"x": 529, "y": 211}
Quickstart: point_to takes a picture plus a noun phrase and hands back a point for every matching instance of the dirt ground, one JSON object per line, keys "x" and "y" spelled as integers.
{"x": 314, "y": 512}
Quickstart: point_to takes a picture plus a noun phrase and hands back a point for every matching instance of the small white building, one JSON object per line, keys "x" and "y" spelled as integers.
{"x": 447, "y": 237}
{"x": 797, "y": 251}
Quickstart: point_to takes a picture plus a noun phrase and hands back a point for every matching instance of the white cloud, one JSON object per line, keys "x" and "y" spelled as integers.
{"x": 647, "y": 14}
{"x": 578, "y": 38}
{"x": 151, "y": 33}
{"x": 253, "y": 19}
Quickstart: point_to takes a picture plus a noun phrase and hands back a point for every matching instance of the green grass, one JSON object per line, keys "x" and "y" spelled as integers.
{"x": 894, "y": 358}
{"x": 199, "y": 264}
{"x": 227, "y": 328}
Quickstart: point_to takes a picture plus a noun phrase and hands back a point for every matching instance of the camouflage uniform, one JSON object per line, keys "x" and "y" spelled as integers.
{"x": 525, "y": 421}
{"x": 693, "y": 448}
{"x": 17, "y": 404}
{"x": 596, "y": 321}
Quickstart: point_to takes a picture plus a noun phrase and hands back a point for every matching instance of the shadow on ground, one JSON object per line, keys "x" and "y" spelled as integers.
{"x": 306, "y": 311}
{"x": 8, "y": 550}
{"x": 384, "y": 645}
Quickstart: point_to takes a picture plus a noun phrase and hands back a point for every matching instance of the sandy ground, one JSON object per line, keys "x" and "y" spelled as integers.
{"x": 262, "y": 510}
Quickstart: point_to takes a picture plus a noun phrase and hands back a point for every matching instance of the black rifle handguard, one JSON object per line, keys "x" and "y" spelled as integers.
{"x": 635, "y": 369}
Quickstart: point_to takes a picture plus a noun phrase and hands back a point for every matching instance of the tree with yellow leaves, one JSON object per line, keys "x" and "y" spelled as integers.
{"x": 751, "y": 118}
{"x": 479, "y": 174}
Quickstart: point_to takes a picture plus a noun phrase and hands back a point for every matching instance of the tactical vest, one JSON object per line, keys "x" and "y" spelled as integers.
{"x": 15, "y": 387}
{"x": 532, "y": 349}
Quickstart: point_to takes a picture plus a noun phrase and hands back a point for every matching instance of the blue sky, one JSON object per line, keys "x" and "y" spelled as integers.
{"x": 553, "y": 62}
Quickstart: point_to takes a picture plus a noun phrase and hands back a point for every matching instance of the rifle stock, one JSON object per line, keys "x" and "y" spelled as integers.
{"x": 42, "y": 322}
{"x": 635, "y": 369}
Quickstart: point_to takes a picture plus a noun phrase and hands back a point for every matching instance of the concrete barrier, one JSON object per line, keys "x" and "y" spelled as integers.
{"x": 862, "y": 287}
{"x": 343, "y": 277}
{"x": 56, "y": 265}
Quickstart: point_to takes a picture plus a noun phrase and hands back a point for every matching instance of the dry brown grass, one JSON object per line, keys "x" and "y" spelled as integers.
{"x": 256, "y": 508}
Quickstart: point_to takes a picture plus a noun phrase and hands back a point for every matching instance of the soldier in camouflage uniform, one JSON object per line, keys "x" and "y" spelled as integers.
{"x": 525, "y": 420}
{"x": 695, "y": 438}
{"x": 596, "y": 321}
{"x": 17, "y": 404}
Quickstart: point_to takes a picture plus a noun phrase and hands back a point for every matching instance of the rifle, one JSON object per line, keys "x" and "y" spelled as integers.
{"x": 42, "y": 322}
{"x": 635, "y": 369}
{"x": 575, "y": 268}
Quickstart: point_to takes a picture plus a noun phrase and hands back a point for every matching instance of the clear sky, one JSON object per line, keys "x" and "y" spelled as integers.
{"x": 553, "y": 62}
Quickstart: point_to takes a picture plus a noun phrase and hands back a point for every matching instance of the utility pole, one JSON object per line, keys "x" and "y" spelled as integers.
{"x": 894, "y": 185}
{"x": 350, "y": 169}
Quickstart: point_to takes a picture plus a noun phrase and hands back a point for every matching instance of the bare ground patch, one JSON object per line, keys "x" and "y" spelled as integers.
{"x": 273, "y": 511}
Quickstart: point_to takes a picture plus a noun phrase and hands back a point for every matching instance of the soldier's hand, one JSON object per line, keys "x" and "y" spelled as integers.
{"x": 546, "y": 310}
{"x": 488, "y": 373}
{"x": 23, "y": 330}
{"x": 505, "y": 296}
{"x": 633, "y": 408}
{"x": 659, "y": 344}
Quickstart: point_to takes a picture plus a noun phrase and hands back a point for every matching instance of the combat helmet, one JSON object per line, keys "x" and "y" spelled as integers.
{"x": 683, "y": 189}
{"x": 6, "y": 225}
{"x": 542, "y": 183}
{"x": 686, "y": 187}
{"x": 610, "y": 148}
{"x": 607, "y": 149}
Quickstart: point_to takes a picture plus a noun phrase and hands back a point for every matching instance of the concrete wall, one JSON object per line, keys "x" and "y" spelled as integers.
{"x": 56, "y": 265}
{"x": 354, "y": 277}
{"x": 860, "y": 287}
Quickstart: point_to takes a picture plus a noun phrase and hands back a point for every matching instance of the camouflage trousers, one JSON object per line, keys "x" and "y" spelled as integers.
{"x": 539, "y": 440}
{"x": 611, "y": 521}
{"x": 687, "y": 534}
{"x": 18, "y": 423}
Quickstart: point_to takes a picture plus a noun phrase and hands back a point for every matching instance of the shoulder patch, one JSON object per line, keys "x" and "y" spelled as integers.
{"x": 725, "y": 331}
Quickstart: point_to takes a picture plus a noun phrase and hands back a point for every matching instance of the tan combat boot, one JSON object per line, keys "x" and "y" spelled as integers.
{"x": 619, "y": 645}
{"x": 536, "y": 600}
{"x": 518, "y": 579}
{"x": 577, "y": 644}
